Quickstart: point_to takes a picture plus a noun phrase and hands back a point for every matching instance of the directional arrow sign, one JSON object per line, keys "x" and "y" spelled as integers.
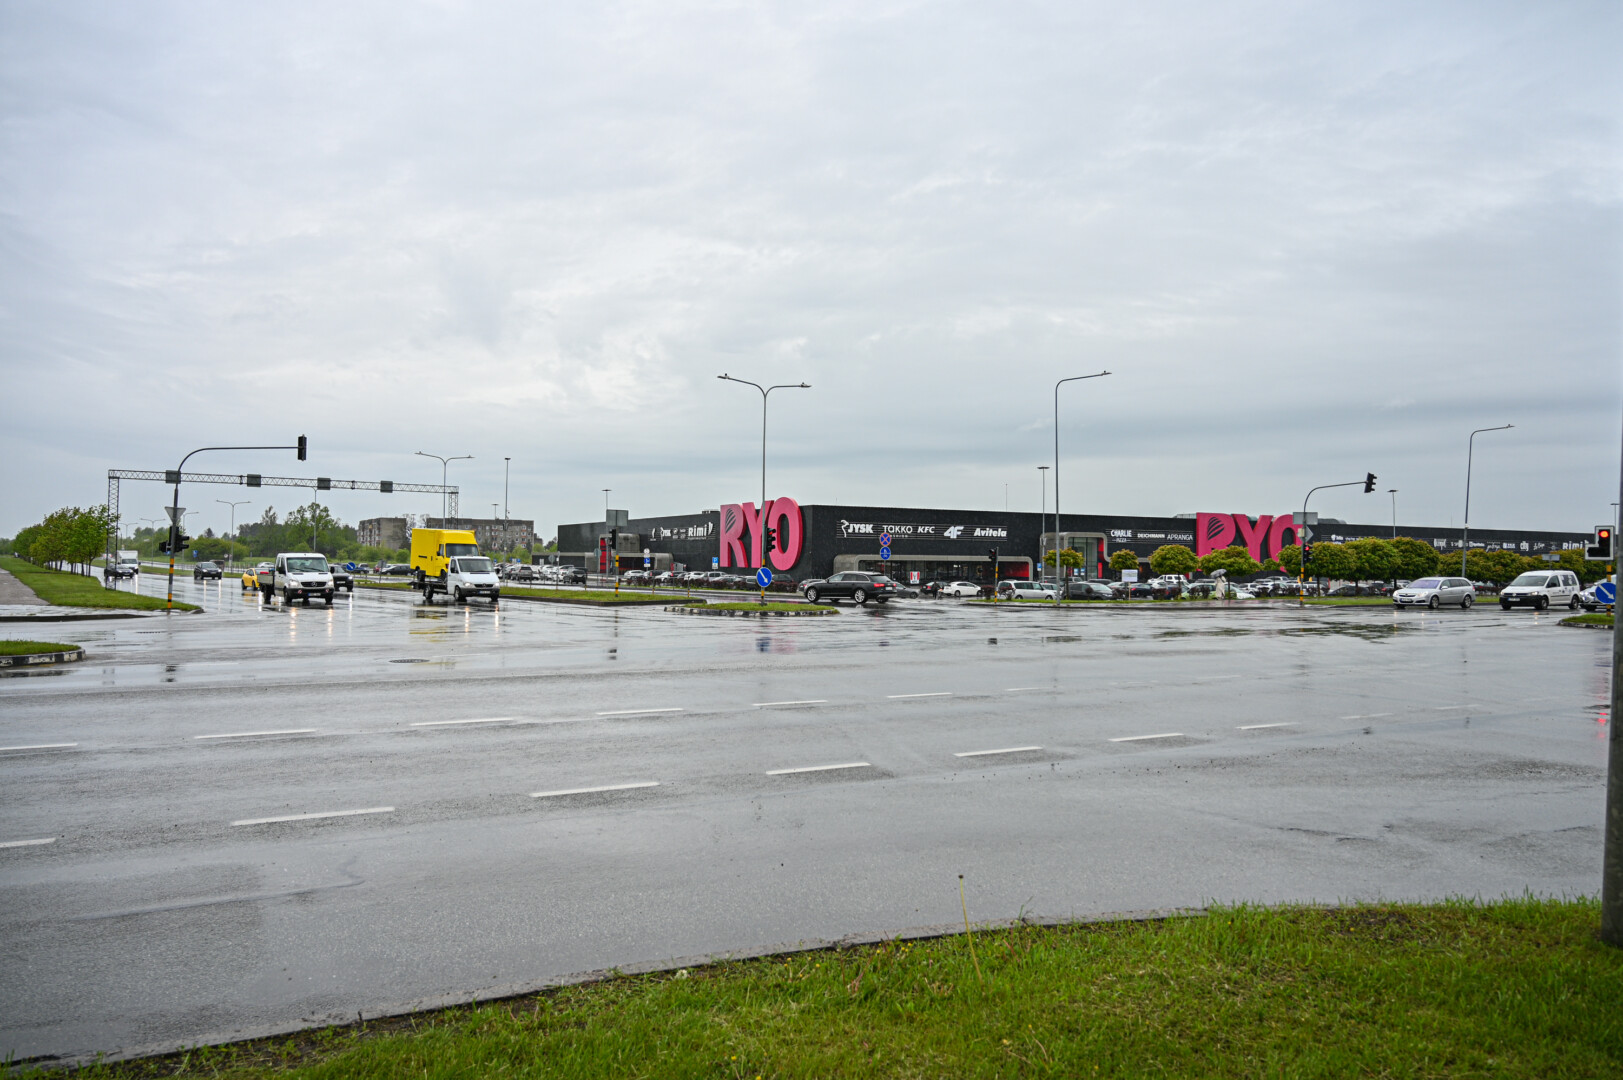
{"x": 1606, "y": 592}
{"x": 763, "y": 576}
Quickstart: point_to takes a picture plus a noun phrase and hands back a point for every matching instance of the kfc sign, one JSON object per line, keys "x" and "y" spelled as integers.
{"x": 780, "y": 515}
{"x": 1216, "y": 531}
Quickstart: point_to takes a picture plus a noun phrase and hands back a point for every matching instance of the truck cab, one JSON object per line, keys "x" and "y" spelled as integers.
{"x": 125, "y": 564}
{"x": 431, "y": 553}
{"x": 299, "y": 575}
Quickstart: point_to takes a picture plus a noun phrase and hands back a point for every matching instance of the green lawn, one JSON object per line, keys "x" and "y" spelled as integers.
{"x": 1512, "y": 989}
{"x": 1593, "y": 618}
{"x": 30, "y": 648}
{"x": 76, "y": 590}
{"x": 1346, "y": 601}
{"x": 597, "y": 596}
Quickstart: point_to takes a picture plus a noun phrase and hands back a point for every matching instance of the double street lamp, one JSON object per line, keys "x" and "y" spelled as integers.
{"x": 231, "y": 537}
{"x": 445, "y": 463}
{"x": 765, "y": 392}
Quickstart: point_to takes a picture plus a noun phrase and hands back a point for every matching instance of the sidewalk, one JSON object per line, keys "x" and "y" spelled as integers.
{"x": 14, "y": 592}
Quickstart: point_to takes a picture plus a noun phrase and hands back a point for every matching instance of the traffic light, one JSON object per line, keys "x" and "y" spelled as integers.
{"x": 163, "y": 547}
{"x": 769, "y": 540}
{"x": 991, "y": 556}
{"x": 1307, "y": 553}
{"x": 303, "y": 446}
{"x": 1369, "y": 482}
{"x": 614, "y": 539}
{"x": 1601, "y": 549}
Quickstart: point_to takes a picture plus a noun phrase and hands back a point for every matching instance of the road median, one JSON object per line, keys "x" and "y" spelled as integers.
{"x": 62, "y": 589}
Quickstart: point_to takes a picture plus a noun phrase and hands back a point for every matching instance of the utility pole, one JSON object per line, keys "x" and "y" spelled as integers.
{"x": 766, "y": 391}
{"x": 1465, "y": 535}
{"x": 176, "y": 510}
{"x": 1042, "y": 527}
{"x": 232, "y": 538}
{"x": 1394, "y": 493}
{"x": 445, "y": 463}
{"x": 507, "y": 471}
{"x": 1073, "y": 378}
{"x": 1611, "y": 879}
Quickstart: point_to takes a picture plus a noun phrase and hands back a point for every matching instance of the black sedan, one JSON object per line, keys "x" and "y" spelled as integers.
{"x": 204, "y": 571}
{"x": 342, "y": 579}
{"x": 854, "y": 585}
{"x": 1088, "y": 590}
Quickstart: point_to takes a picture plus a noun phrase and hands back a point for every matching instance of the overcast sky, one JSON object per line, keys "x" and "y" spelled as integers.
{"x": 1309, "y": 240}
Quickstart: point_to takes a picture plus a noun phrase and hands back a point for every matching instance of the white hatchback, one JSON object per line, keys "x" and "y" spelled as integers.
{"x": 961, "y": 588}
{"x": 1540, "y": 589}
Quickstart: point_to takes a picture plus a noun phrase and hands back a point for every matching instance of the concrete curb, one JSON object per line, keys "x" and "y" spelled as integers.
{"x": 507, "y": 992}
{"x": 1584, "y": 625}
{"x": 31, "y": 659}
{"x": 685, "y": 610}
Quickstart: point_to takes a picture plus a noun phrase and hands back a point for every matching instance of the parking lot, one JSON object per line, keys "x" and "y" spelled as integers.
{"x": 256, "y": 817}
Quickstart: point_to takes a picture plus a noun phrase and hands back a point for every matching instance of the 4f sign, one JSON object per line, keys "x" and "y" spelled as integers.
{"x": 741, "y": 519}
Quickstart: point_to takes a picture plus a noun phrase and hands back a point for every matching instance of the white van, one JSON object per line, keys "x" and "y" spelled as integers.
{"x": 1541, "y": 589}
{"x": 471, "y": 575}
{"x": 299, "y": 575}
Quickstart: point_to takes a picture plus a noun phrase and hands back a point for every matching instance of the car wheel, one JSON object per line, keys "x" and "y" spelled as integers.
{"x": 1572, "y": 605}
{"x": 811, "y": 596}
{"x": 1465, "y": 602}
{"x": 1541, "y": 603}
{"x": 859, "y": 597}
{"x": 1434, "y": 603}
{"x": 1503, "y": 606}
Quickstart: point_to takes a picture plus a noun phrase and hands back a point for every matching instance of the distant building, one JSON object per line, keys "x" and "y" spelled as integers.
{"x": 493, "y": 534}
{"x": 382, "y": 532}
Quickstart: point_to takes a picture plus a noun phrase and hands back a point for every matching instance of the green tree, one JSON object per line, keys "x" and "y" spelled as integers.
{"x": 1290, "y": 560}
{"x": 1122, "y": 559}
{"x": 1270, "y": 565}
{"x": 1495, "y": 565}
{"x": 1236, "y": 561}
{"x": 1069, "y": 558}
{"x": 1173, "y": 559}
{"x": 1416, "y": 558}
{"x": 1573, "y": 559}
{"x": 1374, "y": 559}
{"x": 1333, "y": 562}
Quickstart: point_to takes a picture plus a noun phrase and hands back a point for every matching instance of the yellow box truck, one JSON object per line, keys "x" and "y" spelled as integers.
{"x": 431, "y": 553}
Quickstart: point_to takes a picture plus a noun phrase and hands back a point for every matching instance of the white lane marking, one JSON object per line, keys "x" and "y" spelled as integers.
{"x": 254, "y": 734}
{"x": 808, "y": 701}
{"x": 1441, "y": 708}
{"x": 1367, "y": 716}
{"x": 635, "y": 712}
{"x": 1139, "y": 738}
{"x": 593, "y": 790}
{"x": 938, "y": 693}
{"x": 1006, "y": 750}
{"x": 820, "y": 768}
{"x": 448, "y": 723}
{"x": 314, "y": 817}
{"x": 1017, "y": 689}
{"x": 39, "y": 746}
{"x": 28, "y": 843}
{"x": 1255, "y": 727}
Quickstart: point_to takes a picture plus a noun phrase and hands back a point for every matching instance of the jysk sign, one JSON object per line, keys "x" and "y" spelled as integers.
{"x": 741, "y": 520}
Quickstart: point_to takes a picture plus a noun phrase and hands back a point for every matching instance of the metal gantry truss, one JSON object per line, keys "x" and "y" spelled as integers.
{"x": 318, "y": 483}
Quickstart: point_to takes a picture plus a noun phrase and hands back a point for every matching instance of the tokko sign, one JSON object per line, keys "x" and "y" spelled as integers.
{"x": 1214, "y": 532}
{"x": 781, "y": 515}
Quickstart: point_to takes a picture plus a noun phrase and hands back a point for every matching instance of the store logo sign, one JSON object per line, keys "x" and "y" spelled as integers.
{"x": 739, "y": 519}
{"x": 953, "y": 532}
{"x": 1214, "y": 532}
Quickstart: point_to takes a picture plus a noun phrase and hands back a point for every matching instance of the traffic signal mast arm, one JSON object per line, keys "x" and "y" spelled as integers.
{"x": 1307, "y": 548}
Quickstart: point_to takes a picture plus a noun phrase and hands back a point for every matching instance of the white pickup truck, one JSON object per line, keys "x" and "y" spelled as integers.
{"x": 298, "y": 575}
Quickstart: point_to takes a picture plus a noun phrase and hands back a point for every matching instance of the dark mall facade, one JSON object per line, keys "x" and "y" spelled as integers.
{"x": 817, "y": 540}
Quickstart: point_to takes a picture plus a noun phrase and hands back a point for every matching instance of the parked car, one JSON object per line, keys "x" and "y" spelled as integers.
{"x": 206, "y": 570}
{"x": 1017, "y": 589}
{"x": 1589, "y": 601}
{"x": 1434, "y": 592}
{"x": 930, "y": 588}
{"x": 961, "y": 588}
{"x": 398, "y": 570}
{"x": 858, "y": 586}
{"x": 906, "y": 591}
{"x": 1541, "y": 589}
{"x": 570, "y": 575}
{"x": 1088, "y": 590}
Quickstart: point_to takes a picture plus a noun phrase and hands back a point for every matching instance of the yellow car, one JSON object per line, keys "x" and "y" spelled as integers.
{"x": 250, "y": 578}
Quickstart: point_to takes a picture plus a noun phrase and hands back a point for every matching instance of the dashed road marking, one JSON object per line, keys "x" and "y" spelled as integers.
{"x": 257, "y": 734}
{"x": 28, "y": 843}
{"x": 449, "y": 723}
{"x": 819, "y": 768}
{"x": 1005, "y": 750}
{"x": 937, "y": 693}
{"x": 635, "y": 712}
{"x": 1256, "y": 727}
{"x": 1017, "y": 689}
{"x": 314, "y": 817}
{"x": 1442, "y": 708}
{"x": 1141, "y": 738}
{"x": 39, "y": 746}
{"x": 1368, "y": 716}
{"x": 593, "y": 790}
{"x": 808, "y": 701}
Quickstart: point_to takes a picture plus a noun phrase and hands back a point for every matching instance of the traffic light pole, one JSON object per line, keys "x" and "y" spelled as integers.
{"x": 1611, "y": 887}
{"x": 1301, "y": 524}
{"x": 174, "y": 506}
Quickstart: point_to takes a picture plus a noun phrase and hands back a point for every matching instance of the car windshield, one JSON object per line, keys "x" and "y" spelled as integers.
{"x": 307, "y": 564}
{"x": 205, "y": 565}
{"x": 474, "y": 566}
{"x": 453, "y": 550}
{"x": 1427, "y": 583}
{"x": 1531, "y": 580}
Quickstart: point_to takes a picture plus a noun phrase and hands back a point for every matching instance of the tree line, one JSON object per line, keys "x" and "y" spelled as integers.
{"x": 70, "y": 538}
{"x": 1372, "y": 559}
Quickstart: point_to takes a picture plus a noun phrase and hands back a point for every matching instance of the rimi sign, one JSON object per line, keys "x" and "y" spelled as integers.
{"x": 1213, "y": 532}
{"x": 742, "y": 524}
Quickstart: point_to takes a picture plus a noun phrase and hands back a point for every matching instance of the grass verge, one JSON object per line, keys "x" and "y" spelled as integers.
{"x": 75, "y": 590}
{"x": 598, "y": 596}
{"x": 1517, "y": 988}
{"x": 1346, "y": 601}
{"x": 755, "y": 605}
{"x": 1593, "y": 618}
{"x": 31, "y": 648}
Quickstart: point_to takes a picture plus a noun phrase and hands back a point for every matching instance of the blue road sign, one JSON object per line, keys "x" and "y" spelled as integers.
{"x": 1606, "y": 592}
{"x": 884, "y": 552}
{"x": 884, "y": 539}
{"x": 763, "y": 576}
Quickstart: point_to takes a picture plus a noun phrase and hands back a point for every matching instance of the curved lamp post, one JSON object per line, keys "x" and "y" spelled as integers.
{"x": 765, "y": 391}
{"x": 1062, "y": 382}
{"x": 1465, "y": 535}
{"x": 445, "y": 463}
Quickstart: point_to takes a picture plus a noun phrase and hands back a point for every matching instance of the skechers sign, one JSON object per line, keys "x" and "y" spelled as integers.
{"x": 1213, "y": 532}
{"x": 780, "y": 515}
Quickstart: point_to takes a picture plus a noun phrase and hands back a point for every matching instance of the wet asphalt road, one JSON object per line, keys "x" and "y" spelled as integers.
{"x": 1122, "y": 759}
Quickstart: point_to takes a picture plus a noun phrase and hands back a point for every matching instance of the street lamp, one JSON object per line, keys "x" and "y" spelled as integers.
{"x": 765, "y": 390}
{"x": 1042, "y": 525}
{"x": 1073, "y": 378}
{"x": 1465, "y": 535}
{"x": 232, "y": 537}
{"x": 507, "y": 471}
{"x": 1394, "y": 493}
{"x": 445, "y": 463}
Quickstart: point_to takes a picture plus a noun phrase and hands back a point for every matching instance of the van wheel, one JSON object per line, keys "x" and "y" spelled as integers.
{"x": 1572, "y": 605}
{"x": 1541, "y": 603}
{"x": 461, "y": 598}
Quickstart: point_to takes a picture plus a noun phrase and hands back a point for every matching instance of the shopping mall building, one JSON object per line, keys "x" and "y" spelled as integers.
{"x": 818, "y": 540}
